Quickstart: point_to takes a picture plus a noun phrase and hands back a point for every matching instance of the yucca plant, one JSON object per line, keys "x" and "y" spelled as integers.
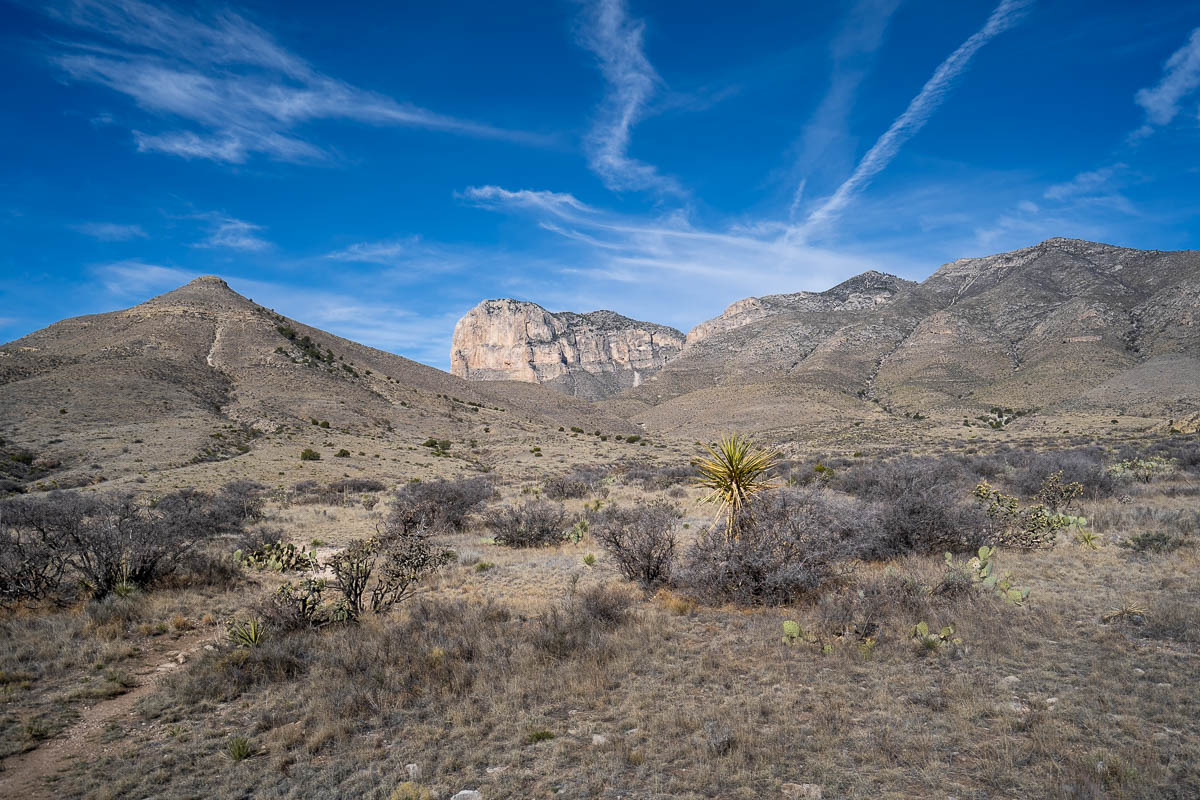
{"x": 239, "y": 748}
{"x": 247, "y": 634}
{"x": 735, "y": 472}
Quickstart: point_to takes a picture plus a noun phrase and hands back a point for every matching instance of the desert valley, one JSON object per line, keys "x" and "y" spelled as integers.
{"x": 600, "y": 400}
{"x": 245, "y": 557}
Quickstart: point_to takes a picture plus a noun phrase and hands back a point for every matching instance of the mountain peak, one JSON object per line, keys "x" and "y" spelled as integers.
{"x": 207, "y": 291}
{"x": 208, "y": 280}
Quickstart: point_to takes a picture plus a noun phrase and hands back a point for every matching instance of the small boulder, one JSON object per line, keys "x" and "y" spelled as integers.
{"x": 467, "y": 794}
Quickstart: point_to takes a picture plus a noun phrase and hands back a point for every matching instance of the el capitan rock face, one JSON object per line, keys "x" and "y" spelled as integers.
{"x": 592, "y": 355}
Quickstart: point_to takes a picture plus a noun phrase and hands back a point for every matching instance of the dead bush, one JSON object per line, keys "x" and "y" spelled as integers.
{"x": 440, "y": 506}
{"x": 640, "y": 540}
{"x": 534, "y": 523}
{"x": 794, "y": 545}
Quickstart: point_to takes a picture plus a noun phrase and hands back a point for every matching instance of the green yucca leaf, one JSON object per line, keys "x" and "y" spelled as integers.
{"x": 734, "y": 472}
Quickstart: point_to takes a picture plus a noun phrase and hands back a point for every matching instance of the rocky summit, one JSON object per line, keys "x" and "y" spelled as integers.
{"x": 590, "y": 356}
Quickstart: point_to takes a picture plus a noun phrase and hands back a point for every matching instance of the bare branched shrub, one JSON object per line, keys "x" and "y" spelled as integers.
{"x": 33, "y": 555}
{"x": 578, "y": 483}
{"x": 51, "y": 543}
{"x": 534, "y": 523}
{"x": 1084, "y": 467}
{"x": 440, "y": 506}
{"x": 924, "y": 506}
{"x": 652, "y": 478}
{"x": 338, "y": 493}
{"x": 640, "y": 540}
{"x": 795, "y": 545}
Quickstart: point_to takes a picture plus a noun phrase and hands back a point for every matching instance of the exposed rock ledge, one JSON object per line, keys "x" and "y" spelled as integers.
{"x": 592, "y": 355}
{"x": 861, "y": 292}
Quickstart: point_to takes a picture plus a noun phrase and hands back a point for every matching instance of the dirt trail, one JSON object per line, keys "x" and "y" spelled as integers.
{"x": 27, "y": 775}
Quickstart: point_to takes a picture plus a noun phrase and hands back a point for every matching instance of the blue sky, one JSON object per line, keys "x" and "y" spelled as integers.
{"x": 379, "y": 170}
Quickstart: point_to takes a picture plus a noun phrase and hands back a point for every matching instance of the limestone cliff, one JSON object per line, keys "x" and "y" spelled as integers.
{"x": 592, "y": 355}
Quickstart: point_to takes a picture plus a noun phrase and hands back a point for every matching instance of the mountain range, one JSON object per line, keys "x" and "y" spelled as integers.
{"x": 1064, "y": 326}
{"x": 1065, "y": 337}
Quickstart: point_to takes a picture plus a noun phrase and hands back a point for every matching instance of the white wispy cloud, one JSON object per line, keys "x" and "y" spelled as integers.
{"x": 136, "y": 279}
{"x": 616, "y": 41}
{"x": 110, "y": 231}
{"x": 234, "y": 234}
{"x": 918, "y": 112}
{"x": 633, "y": 263}
{"x": 386, "y": 252}
{"x": 238, "y": 90}
{"x": 1086, "y": 183}
{"x": 1180, "y": 79}
{"x": 852, "y": 52}
{"x": 411, "y": 258}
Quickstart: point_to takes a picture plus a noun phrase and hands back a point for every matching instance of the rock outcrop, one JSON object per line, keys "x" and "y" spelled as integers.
{"x": 592, "y": 355}
{"x": 865, "y": 291}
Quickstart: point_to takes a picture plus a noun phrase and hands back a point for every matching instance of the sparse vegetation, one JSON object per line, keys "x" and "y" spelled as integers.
{"x": 534, "y": 523}
{"x": 641, "y": 540}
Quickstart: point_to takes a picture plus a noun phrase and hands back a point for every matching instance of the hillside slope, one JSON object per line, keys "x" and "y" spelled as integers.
{"x": 201, "y": 373}
{"x": 1063, "y": 327}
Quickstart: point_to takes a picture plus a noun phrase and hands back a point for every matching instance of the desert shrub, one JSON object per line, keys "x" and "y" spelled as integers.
{"x": 33, "y": 555}
{"x": 438, "y": 506}
{"x": 640, "y": 540}
{"x": 297, "y": 605}
{"x": 1076, "y": 466}
{"x": 379, "y": 573}
{"x": 226, "y": 672}
{"x": 580, "y": 482}
{"x": 655, "y": 478}
{"x": 785, "y": 551}
{"x": 1185, "y": 452}
{"x": 234, "y": 505}
{"x": 924, "y": 506}
{"x": 107, "y": 541}
{"x": 862, "y": 609}
{"x": 1173, "y": 618}
{"x": 892, "y": 480}
{"x": 1125, "y": 519}
{"x": 581, "y": 622}
{"x": 1158, "y": 541}
{"x": 356, "y": 486}
{"x": 534, "y": 523}
{"x": 308, "y": 454}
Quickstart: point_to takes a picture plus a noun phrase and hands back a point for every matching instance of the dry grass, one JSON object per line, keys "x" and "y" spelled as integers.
{"x": 511, "y": 680}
